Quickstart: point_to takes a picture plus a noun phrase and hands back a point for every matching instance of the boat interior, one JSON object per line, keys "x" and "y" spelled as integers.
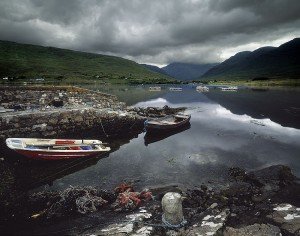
{"x": 55, "y": 144}
{"x": 172, "y": 119}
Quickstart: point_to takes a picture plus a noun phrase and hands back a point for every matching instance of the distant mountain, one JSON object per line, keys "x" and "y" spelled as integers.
{"x": 271, "y": 62}
{"x": 32, "y": 61}
{"x": 186, "y": 71}
{"x": 155, "y": 69}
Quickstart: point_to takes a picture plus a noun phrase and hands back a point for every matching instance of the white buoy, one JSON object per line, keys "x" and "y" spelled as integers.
{"x": 172, "y": 208}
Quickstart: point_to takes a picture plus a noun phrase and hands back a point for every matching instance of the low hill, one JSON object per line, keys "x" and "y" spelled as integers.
{"x": 267, "y": 62}
{"x": 30, "y": 61}
{"x": 186, "y": 71}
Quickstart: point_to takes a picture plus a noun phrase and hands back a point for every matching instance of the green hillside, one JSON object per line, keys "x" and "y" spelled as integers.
{"x": 28, "y": 62}
{"x": 281, "y": 62}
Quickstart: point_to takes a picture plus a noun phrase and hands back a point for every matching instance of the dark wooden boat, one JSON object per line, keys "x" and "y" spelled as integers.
{"x": 56, "y": 149}
{"x": 166, "y": 123}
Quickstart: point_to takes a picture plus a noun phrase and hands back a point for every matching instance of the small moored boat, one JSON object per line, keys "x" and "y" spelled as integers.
{"x": 55, "y": 149}
{"x": 231, "y": 88}
{"x": 167, "y": 122}
{"x": 202, "y": 88}
{"x": 175, "y": 89}
{"x": 156, "y": 88}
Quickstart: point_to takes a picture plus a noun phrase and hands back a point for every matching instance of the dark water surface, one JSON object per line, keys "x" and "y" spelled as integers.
{"x": 248, "y": 128}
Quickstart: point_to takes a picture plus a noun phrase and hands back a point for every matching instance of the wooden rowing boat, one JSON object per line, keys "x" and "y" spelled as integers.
{"x": 166, "y": 123}
{"x": 56, "y": 149}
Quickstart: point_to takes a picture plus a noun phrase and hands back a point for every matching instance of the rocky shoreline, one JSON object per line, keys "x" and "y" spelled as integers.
{"x": 263, "y": 202}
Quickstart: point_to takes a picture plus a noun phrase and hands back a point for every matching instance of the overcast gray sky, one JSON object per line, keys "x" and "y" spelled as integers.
{"x": 152, "y": 31}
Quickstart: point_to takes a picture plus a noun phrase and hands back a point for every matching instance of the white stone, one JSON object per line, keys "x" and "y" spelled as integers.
{"x": 291, "y": 216}
{"x": 139, "y": 216}
{"x": 118, "y": 228}
{"x": 282, "y": 207}
{"x": 144, "y": 231}
{"x": 211, "y": 224}
{"x": 207, "y": 217}
{"x": 172, "y": 208}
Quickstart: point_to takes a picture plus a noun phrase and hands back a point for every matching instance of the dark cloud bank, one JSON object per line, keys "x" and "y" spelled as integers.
{"x": 157, "y": 31}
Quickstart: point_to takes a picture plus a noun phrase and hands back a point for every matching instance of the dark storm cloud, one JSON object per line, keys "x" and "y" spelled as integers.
{"x": 157, "y": 31}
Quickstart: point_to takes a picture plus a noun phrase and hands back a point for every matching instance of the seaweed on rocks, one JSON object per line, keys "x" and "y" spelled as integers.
{"x": 155, "y": 111}
{"x": 81, "y": 200}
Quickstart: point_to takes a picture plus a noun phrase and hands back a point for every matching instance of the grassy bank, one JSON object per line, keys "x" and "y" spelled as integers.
{"x": 258, "y": 83}
{"x": 30, "y": 63}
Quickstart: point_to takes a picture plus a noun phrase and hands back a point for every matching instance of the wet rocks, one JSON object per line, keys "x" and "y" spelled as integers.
{"x": 133, "y": 225}
{"x": 249, "y": 198}
{"x": 155, "y": 111}
{"x": 287, "y": 217}
{"x": 210, "y": 224}
{"x": 253, "y": 230}
{"x": 119, "y": 229}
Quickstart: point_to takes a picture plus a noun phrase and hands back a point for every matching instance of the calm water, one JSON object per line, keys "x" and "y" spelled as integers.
{"x": 249, "y": 129}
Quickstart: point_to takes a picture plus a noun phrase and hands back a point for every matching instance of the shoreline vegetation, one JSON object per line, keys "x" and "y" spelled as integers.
{"x": 258, "y": 83}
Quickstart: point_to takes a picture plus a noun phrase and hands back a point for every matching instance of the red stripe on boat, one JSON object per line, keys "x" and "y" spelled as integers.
{"x": 64, "y": 142}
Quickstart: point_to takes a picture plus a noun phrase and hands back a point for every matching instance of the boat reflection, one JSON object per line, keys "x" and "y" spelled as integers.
{"x": 155, "y": 137}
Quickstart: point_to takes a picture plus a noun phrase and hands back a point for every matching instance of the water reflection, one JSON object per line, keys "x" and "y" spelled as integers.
{"x": 280, "y": 105}
{"x": 155, "y": 137}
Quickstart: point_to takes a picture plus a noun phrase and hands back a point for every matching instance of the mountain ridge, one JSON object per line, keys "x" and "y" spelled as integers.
{"x": 182, "y": 71}
{"x": 273, "y": 62}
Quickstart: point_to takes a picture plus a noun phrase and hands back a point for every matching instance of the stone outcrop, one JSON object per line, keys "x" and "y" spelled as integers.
{"x": 60, "y": 122}
{"x": 58, "y": 111}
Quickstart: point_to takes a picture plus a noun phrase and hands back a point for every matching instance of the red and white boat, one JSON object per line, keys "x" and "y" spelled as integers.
{"x": 54, "y": 149}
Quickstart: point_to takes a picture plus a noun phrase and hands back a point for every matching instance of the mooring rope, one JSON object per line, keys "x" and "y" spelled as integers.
{"x": 135, "y": 120}
{"x": 169, "y": 225}
{"x": 103, "y": 128}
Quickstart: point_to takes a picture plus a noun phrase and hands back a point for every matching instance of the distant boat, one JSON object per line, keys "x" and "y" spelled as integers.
{"x": 175, "y": 89}
{"x": 202, "y": 88}
{"x": 156, "y": 88}
{"x": 3, "y": 110}
{"x": 56, "y": 149}
{"x": 166, "y": 123}
{"x": 230, "y": 88}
